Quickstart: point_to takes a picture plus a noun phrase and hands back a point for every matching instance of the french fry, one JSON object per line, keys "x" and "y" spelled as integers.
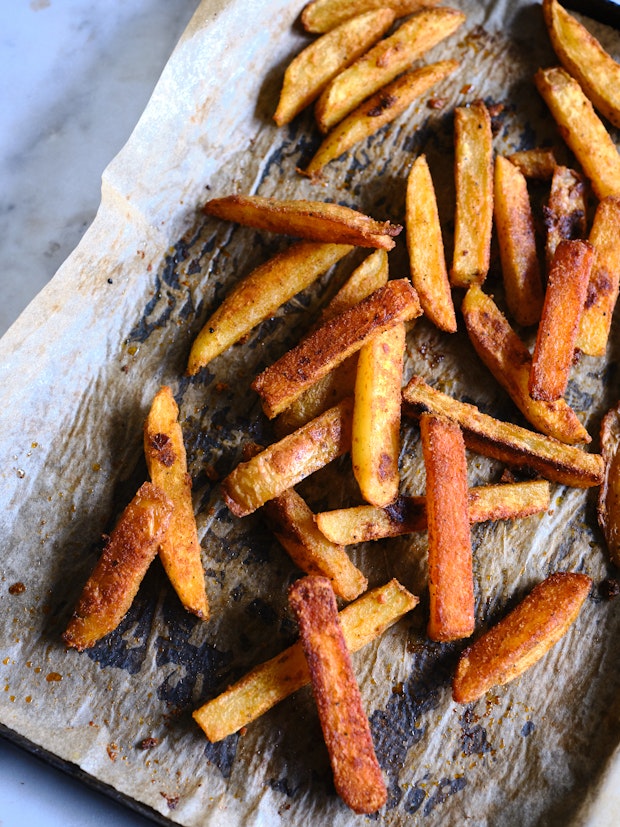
{"x": 330, "y": 344}
{"x": 323, "y": 15}
{"x": 535, "y": 163}
{"x": 516, "y": 446}
{"x": 567, "y": 288}
{"x": 292, "y": 522}
{"x": 521, "y": 639}
{"x": 450, "y": 574}
{"x": 509, "y": 360}
{"x": 258, "y": 296}
{"x": 565, "y": 211}
{"x": 269, "y": 683}
{"x": 604, "y": 278}
{"x": 364, "y": 523}
{"x": 285, "y": 463}
{"x": 308, "y": 74}
{"x": 384, "y": 62}
{"x": 425, "y": 246}
{"x": 585, "y": 59}
{"x": 179, "y": 550}
{"x": 609, "y": 495}
{"x": 114, "y": 583}
{"x": 473, "y": 170}
{"x": 377, "y": 111}
{"x": 582, "y": 130}
{"x": 367, "y": 277}
{"x": 517, "y": 243}
{"x": 312, "y": 220}
{"x": 346, "y": 730}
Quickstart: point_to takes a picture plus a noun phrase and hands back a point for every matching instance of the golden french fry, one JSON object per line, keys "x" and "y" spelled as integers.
{"x": 473, "y": 170}
{"x": 565, "y": 211}
{"x": 517, "y": 243}
{"x": 609, "y": 494}
{"x": 567, "y": 288}
{"x": 312, "y": 220}
{"x": 516, "y": 446}
{"x": 535, "y": 163}
{"x": 331, "y": 343}
{"x": 323, "y": 15}
{"x": 509, "y": 360}
{"x": 384, "y": 62}
{"x": 114, "y": 583}
{"x": 425, "y": 246}
{"x": 585, "y": 59}
{"x": 519, "y": 640}
{"x": 346, "y": 730}
{"x": 266, "y": 685}
{"x": 377, "y": 111}
{"x": 367, "y": 277}
{"x": 582, "y": 130}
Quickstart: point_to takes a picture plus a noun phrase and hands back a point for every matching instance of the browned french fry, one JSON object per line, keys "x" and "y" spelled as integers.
{"x": 114, "y": 583}
{"x": 323, "y": 15}
{"x": 516, "y": 446}
{"x": 377, "y": 111}
{"x": 292, "y": 522}
{"x": 425, "y": 246}
{"x": 369, "y": 276}
{"x": 312, "y": 220}
{"x": 384, "y": 62}
{"x": 604, "y": 278}
{"x": 522, "y": 637}
{"x": 266, "y": 685}
{"x": 330, "y": 344}
{"x": 567, "y": 288}
{"x": 609, "y": 494}
{"x": 474, "y": 194}
{"x": 582, "y": 130}
{"x": 179, "y": 550}
{"x": 517, "y": 243}
{"x": 565, "y": 211}
{"x": 346, "y": 730}
{"x": 535, "y": 163}
{"x": 509, "y": 360}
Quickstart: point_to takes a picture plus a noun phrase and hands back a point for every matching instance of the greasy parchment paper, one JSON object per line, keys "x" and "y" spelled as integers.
{"x": 78, "y": 371}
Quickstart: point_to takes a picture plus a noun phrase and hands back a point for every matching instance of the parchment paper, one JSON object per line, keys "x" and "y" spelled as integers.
{"x": 77, "y": 373}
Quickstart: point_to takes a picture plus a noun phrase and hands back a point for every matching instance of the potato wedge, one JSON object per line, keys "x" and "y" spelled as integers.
{"x": 565, "y": 211}
{"x": 312, "y": 220}
{"x": 517, "y": 243}
{"x": 323, "y": 15}
{"x": 516, "y": 446}
{"x": 609, "y": 495}
{"x": 269, "y": 683}
{"x": 473, "y": 171}
{"x": 384, "y": 62}
{"x": 582, "y": 130}
{"x": 129, "y": 551}
{"x": 519, "y": 640}
{"x": 509, "y": 360}
{"x": 427, "y": 261}
{"x": 367, "y": 277}
{"x": 535, "y": 163}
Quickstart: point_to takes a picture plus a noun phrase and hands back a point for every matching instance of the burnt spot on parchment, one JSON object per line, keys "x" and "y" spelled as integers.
{"x": 222, "y": 754}
{"x": 473, "y": 735}
{"x": 126, "y": 647}
{"x": 424, "y": 795}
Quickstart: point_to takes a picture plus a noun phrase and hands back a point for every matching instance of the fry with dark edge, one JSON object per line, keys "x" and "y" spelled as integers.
{"x": 346, "y": 730}
{"x": 608, "y": 509}
{"x": 565, "y": 210}
{"x": 522, "y": 637}
{"x": 323, "y": 15}
{"x": 535, "y": 163}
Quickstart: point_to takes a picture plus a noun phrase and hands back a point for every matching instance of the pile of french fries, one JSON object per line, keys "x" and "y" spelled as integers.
{"x": 340, "y": 389}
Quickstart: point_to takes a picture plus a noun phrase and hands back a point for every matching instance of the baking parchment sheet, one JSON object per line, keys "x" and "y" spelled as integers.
{"x": 77, "y": 373}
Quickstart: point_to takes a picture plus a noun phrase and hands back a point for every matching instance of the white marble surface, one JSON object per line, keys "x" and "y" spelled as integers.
{"x": 76, "y": 74}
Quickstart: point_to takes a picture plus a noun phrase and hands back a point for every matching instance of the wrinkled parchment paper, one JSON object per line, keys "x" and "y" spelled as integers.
{"x": 78, "y": 371}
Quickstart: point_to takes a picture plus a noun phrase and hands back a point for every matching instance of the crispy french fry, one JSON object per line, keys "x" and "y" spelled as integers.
{"x": 346, "y": 730}
{"x": 258, "y": 296}
{"x": 323, "y": 15}
{"x": 312, "y": 220}
{"x": 604, "y": 278}
{"x": 367, "y": 277}
{"x": 292, "y": 522}
{"x": 585, "y": 59}
{"x": 565, "y": 211}
{"x": 567, "y": 288}
{"x": 114, "y": 583}
{"x": 285, "y": 463}
{"x": 166, "y": 461}
{"x": 536, "y": 163}
{"x": 308, "y": 74}
{"x": 517, "y": 243}
{"x": 384, "y": 62}
{"x": 450, "y": 574}
{"x": 582, "y": 130}
{"x": 425, "y": 246}
{"x": 509, "y": 360}
{"x": 516, "y": 446}
{"x": 473, "y": 170}
{"x": 269, "y": 683}
{"x": 377, "y": 111}
{"x": 522, "y": 637}
{"x": 330, "y": 344}
{"x": 609, "y": 494}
